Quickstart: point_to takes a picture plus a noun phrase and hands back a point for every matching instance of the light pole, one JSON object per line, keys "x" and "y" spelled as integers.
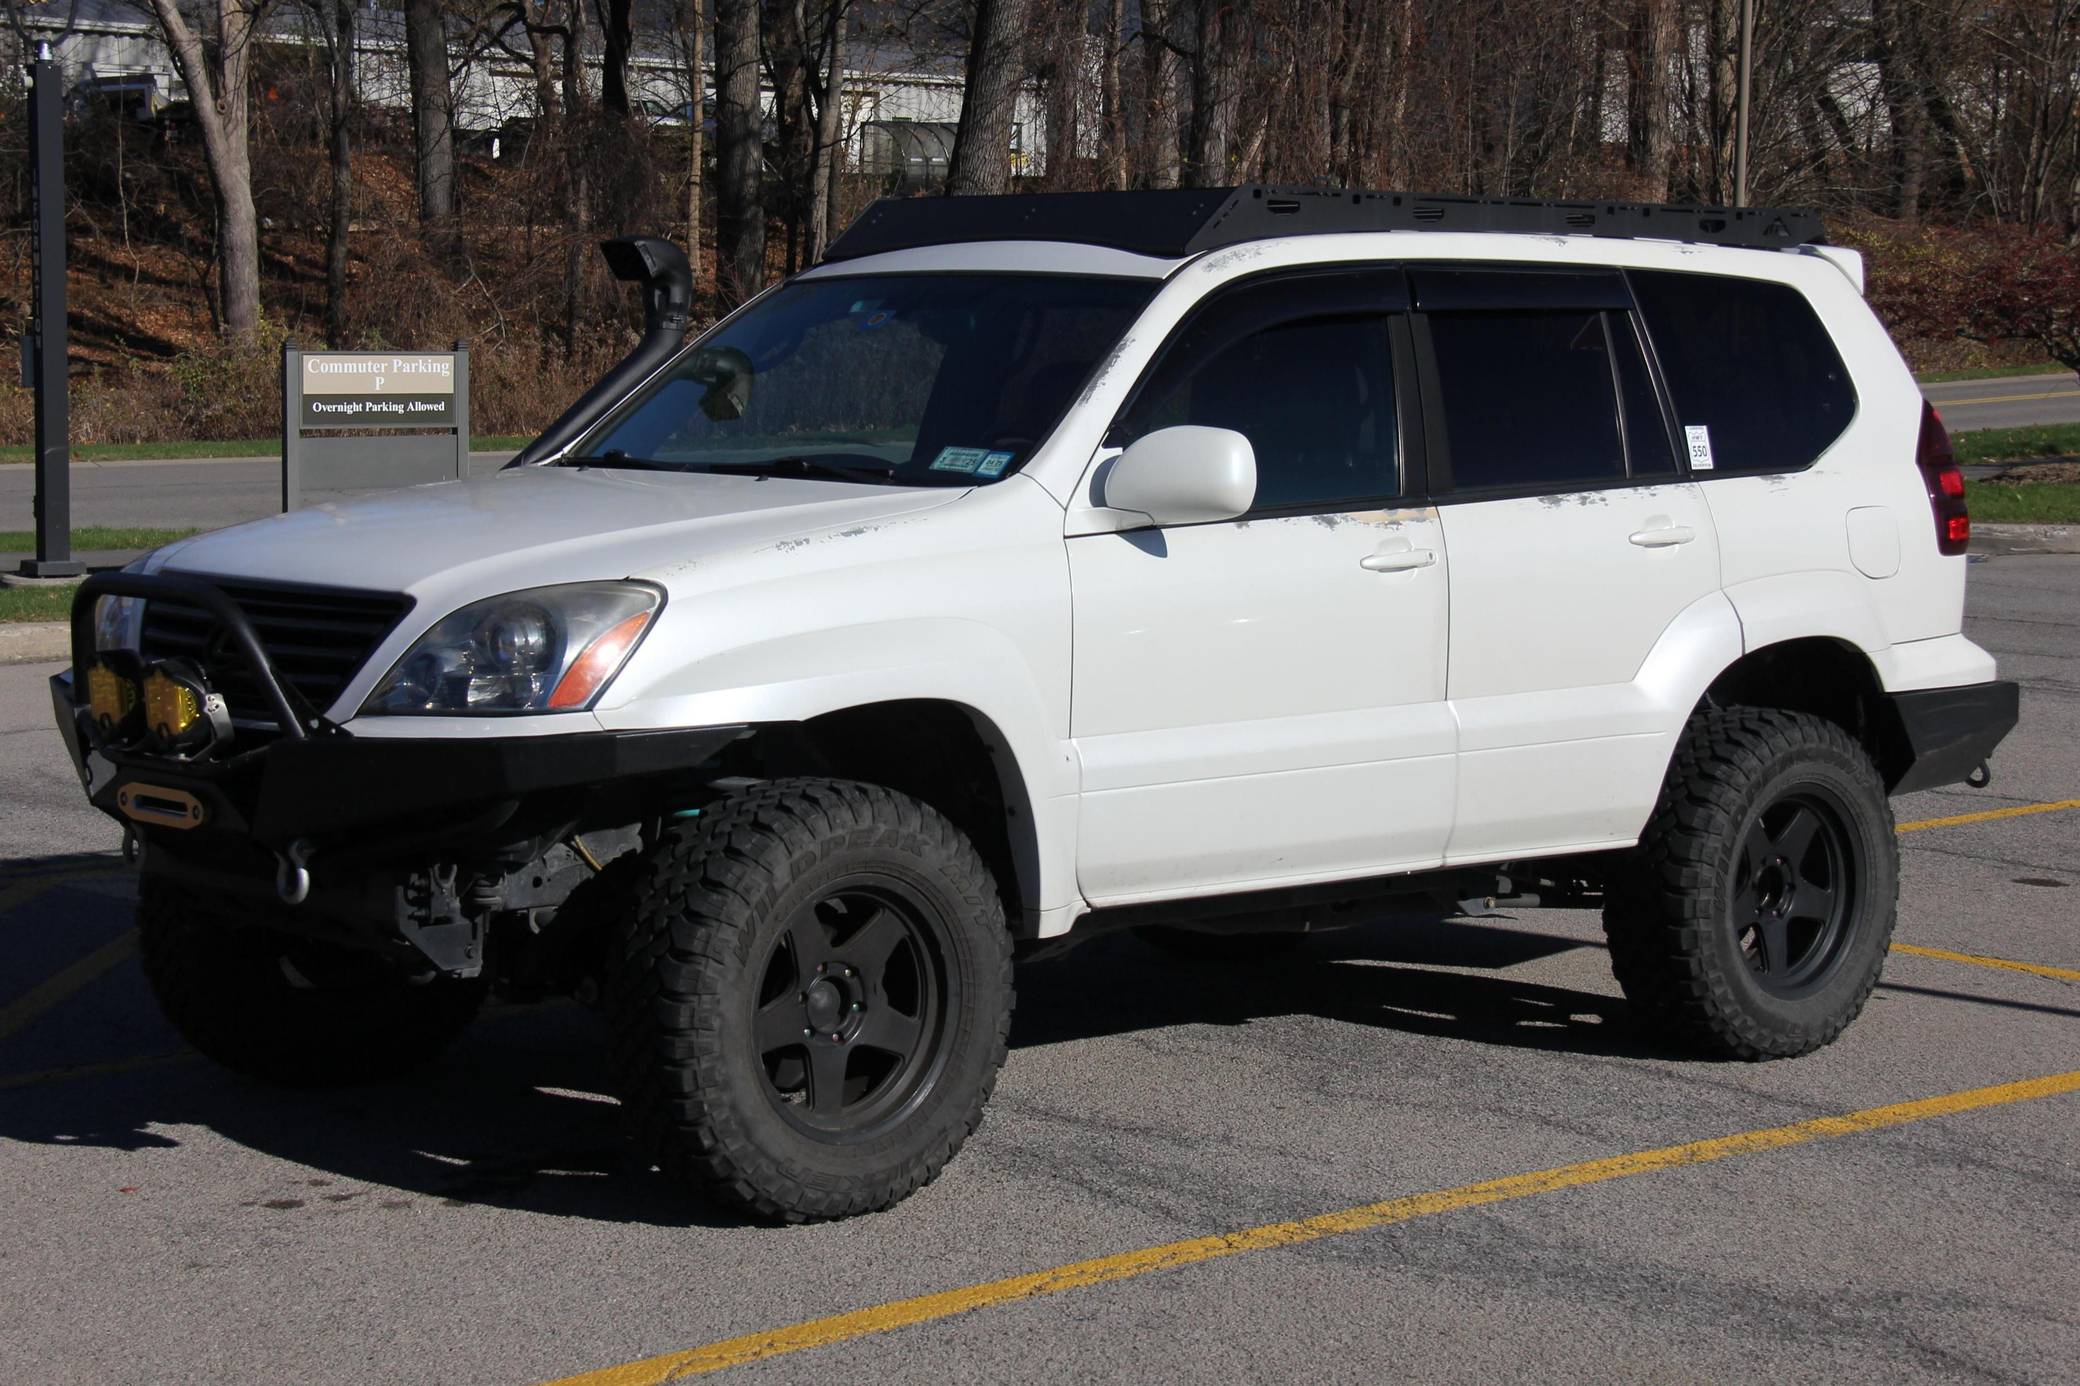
{"x": 1742, "y": 97}
{"x": 45, "y": 355}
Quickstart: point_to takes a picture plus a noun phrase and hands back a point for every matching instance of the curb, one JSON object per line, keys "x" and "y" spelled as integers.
{"x": 30, "y": 642}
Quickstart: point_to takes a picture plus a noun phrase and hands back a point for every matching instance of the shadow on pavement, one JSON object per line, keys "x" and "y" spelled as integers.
{"x": 1366, "y": 977}
{"x": 515, "y": 1116}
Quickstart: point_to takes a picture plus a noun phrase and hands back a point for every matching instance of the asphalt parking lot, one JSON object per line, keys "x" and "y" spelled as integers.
{"x": 1435, "y": 1152}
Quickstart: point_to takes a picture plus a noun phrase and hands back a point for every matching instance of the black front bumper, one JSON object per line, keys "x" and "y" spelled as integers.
{"x": 1943, "y": 735}
{"x": 338, "y": 784}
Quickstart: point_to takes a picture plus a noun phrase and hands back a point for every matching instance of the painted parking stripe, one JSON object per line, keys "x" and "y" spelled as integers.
{"x": 902, "y": 1313}
{"x": 100, "y": 1070}
{"x": 1979, "y": 960}
{"x": 60, "y": 986}
{"x": 1958, "y": 820}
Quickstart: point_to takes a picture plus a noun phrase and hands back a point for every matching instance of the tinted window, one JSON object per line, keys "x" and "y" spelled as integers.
{"x": 1314, "y": 396}
{"x": 1529, "y": 398}
{"x": 1749, "y": 361}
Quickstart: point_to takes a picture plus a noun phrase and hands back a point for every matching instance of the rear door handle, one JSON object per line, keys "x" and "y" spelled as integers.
{"x": 1399, "y": 562}
{"x": 1668, "y": 536}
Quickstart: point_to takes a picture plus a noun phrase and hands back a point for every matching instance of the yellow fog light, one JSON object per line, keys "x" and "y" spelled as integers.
{"x": 110, "y": 697}
{"x": 180, "y": 711}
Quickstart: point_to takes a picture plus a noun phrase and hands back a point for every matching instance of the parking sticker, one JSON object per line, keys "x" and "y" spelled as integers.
{"x": 960, "y": 460}
{"x": 994, "y": 464}
{"x": 1700, "y": 436}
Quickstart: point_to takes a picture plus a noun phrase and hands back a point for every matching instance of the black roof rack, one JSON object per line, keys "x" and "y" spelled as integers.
{"x": 1175, "y": 223}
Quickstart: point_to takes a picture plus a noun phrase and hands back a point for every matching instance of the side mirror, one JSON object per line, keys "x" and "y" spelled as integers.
{"x": 1183, "y": 475}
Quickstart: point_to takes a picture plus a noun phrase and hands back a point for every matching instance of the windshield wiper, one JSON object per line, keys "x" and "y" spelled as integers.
{"x": 863, "y": 470}
{"x": 615, "y": 457}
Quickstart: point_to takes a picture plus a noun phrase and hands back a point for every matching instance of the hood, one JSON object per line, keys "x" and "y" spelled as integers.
{"x": 532, "y": 526}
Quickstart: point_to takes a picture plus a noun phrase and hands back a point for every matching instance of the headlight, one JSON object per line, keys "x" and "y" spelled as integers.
{"x": 119, "y": 621}
{"x": 549, "y": 649}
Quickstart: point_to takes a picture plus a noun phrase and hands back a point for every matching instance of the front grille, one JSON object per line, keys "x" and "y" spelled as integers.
{"x": 316, "y": 638}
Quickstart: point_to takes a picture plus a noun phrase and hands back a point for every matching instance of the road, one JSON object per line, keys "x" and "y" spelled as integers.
{"x": 2008, "y": 402}
{"x": 478, "y": 1223}
{"x": 211, "y": 494}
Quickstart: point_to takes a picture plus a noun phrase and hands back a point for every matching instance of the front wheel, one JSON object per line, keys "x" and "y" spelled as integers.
{"x": 1754, "y": 916}
{"x": 810, "y": 998}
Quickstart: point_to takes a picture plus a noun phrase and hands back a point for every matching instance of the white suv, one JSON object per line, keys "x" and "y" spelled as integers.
{"x": 1232, "y": 562}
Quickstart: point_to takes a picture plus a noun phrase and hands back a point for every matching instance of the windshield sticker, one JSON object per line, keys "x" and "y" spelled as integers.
{"x": 994, "y": 464}
{"x": 1700, "y": 436}
{"x": 960, "y": 460}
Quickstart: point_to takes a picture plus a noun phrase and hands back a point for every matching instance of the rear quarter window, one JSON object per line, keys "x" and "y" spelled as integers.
{"x": 1749, "y": 361}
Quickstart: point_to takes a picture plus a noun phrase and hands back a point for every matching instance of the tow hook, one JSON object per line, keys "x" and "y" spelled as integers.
{"x": 1981, "y": 777}
{"x": 292, "y": 879}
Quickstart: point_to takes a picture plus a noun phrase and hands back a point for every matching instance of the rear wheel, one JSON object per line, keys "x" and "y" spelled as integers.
{"x": 810, "y": 998}
{"x": 287, "y": 1009}
{"x": 1754, "y": 916}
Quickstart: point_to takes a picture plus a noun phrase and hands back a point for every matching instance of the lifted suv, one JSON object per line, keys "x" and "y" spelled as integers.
{"x": 1234, "y": 563}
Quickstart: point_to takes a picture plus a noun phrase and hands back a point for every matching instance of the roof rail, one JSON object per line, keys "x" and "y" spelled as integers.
{"x": 1180, "y": 222}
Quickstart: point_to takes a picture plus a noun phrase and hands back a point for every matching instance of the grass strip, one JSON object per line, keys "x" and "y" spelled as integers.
{"x": 89, "y": 538}
{"x": 36, "y": 603}
{"x": 2023, "y": 503}
{"x": 219, "y": 447}
{"x": 2010, "y": 444}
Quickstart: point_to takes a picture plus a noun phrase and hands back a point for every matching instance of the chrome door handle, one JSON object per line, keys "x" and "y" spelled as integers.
{"x": 1401, "y": 562}
{"x": 1666, "y": 537}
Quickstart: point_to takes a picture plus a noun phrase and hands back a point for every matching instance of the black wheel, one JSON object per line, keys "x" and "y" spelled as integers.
{"x": 286, "y": 1009}
{"x": 810, "y": 998}
{"x": 1754, "y": 916}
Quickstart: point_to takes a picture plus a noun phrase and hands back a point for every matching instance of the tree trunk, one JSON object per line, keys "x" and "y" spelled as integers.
{"x": 740, "y": 213}
{"x": 618, "y": 40}
{"x": 1906, "y": 104}
{"x": 1111, "y": 104}
{"x": 697, "y": 92}
{"x": 1722, "y": 44}
{"x": 1649, "y": 48}
{"x": 341, "y": 223}
{"x": 981, "y": 161}
{"x": 830, "y": 136}
{"x": 1159, "y": 77}
{"x": 1213, "y": 96}
{"x": 219, "y": 84}
{"x": 433, "y": 125}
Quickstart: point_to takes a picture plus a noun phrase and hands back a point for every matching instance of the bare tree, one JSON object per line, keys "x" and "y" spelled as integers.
{"x": 1160, "y": 74}
{"x": 334, "y": 22}
{"x": 218, "y": 75}
{"x": 692, "y": 35}
{"x": 830, "y": 133}
{"x": 1650, "y": 39}
{"x": 740, "y": 211}
{"x": 433, "y": 116}
{"x": 981, "y": 161}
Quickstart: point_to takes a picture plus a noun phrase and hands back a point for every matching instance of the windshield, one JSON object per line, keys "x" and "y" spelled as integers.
{"x": 914, "y": 379}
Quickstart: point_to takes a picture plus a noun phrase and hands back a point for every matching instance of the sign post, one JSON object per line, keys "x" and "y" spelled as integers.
{"x": 327, "y": 391}
{"x": 46, "y": 350}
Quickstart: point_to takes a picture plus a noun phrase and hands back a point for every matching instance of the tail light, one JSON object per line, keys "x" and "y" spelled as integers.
{"x": 1945, "y": 483}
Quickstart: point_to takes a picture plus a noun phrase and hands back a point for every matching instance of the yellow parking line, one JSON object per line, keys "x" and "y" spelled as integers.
{"x": 1988, "y": 815}
{"x": 26, "y": 1009}
{"x": 883, "y": 1318}
{"x": 1978, "y": 960}
{"x": 2006, "y": 399}
{"x": 100, "y": 1070}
